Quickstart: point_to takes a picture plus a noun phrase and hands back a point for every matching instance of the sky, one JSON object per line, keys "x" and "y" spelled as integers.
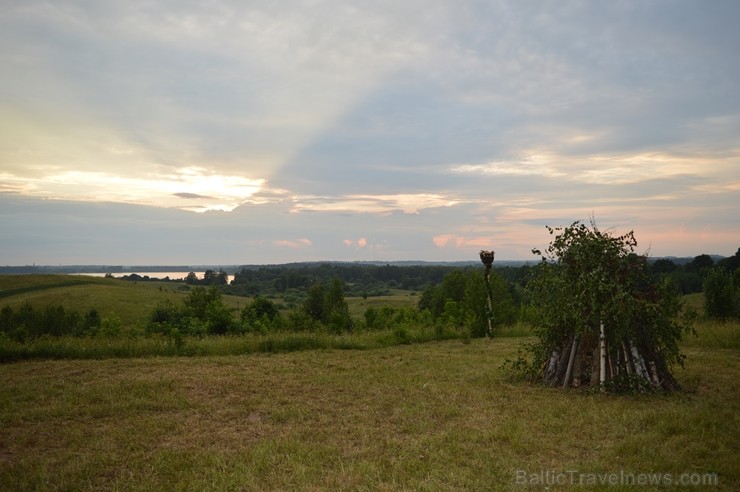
{"x": 255, "y": 132}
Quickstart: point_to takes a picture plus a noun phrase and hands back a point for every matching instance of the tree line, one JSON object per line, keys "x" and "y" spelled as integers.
{"x": 27, "y": 322}
{"x": 359, "y": 280}
{"x": 312, "y": 297}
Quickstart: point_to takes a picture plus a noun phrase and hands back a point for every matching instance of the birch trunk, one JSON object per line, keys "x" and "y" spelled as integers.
{"x": 602, "y": 356}
{"x": 489, "y": 301}
{"x": 639, "y": 363}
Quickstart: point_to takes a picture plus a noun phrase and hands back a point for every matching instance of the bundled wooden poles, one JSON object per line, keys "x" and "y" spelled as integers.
{"x": 593, "y": 359}
{"x": 486, "y": 257}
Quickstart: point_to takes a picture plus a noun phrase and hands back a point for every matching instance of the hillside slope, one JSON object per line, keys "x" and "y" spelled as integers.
{"x": 132, "y": 302}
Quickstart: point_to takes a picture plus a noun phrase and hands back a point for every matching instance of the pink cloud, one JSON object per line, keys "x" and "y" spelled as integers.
{"x": 360, "y": 243}
{"x": 292, "y": 243}
{"x": 444, "y": 240}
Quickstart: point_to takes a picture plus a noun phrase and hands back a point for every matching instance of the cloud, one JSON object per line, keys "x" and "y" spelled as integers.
{"x": 292, "y": 243}
{"x": 406, "y": 203}
{"x": 192, "y": 196}
{"x": 535, "y": 164}
{"x": 602, "y": 169}
{"x": 358, "y": 244}
{"x": 212, "y": 191}
{"x": 447, "y": 240}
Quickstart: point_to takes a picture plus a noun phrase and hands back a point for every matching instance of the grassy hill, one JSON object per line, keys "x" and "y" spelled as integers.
{"x": 132, "y": 302}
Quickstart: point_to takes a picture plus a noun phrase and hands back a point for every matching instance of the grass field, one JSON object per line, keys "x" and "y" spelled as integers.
{"x": 396, "y": 299}
{"x": 442, "y": 415}
{"x": 434, "y": 416}
{"x": 132, "y": 302}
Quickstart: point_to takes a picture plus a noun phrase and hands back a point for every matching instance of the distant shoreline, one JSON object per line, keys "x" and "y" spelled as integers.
{"x": 232, "y": 269}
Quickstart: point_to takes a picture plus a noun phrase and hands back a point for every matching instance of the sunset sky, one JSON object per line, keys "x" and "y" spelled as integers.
{"x": 249, "y": 132}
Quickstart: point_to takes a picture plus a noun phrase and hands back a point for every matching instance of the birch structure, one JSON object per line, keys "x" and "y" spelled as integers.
{"x": 602, "y": 319}
{"x": 594, "y": 359}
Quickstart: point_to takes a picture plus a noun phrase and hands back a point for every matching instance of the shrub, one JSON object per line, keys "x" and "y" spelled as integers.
{"x": 720, "y": 295}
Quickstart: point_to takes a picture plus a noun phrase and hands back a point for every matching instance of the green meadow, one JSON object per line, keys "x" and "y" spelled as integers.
{"x": 132, "y": 302}
{"x": 360, "y": 411}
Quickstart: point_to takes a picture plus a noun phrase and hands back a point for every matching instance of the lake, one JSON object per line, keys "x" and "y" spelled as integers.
{"x": 160, "y": 275}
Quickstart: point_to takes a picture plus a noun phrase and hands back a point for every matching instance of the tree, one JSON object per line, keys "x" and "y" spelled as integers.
{"x": 731, "y": 263}
{"x": 92, "y": 321}
{"x": 198, "y": 300}
{"x": 259, "y": 308}
{"x": 260, "y": 315}
{"x": 719, "y": 295}
{"x": 460, "y": 301}
{"x": 336, "y": 311}
{"x": 663, "y": 266}
{"x": 210, "y": 277}
{"x": 314, "y": 305}
{"x": 600, "y": 318}
{"x": 205, "y": 306}
{"x": 701, "y": 263}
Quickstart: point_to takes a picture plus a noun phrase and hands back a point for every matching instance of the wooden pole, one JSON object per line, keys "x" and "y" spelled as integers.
{"x": 627, "y": 359}
{"x": 569, "y": 371}
{"x": 576, "y": 380}
{"x": 486, "y": 257}
{"x": 602, "y": 357}
{"x": 612, "y": 372}
{"x": 594, "y": 366}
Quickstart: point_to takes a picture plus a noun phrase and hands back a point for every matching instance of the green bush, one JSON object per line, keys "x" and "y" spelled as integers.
{"x": 721, "y": 295}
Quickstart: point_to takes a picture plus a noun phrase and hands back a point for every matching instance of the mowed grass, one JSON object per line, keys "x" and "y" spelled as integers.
{"x": 434, "y": 416}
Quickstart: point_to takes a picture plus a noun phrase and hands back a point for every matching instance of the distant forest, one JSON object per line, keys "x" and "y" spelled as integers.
{"x": 373, "y": 280}
{"x": 291, "y": 281}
